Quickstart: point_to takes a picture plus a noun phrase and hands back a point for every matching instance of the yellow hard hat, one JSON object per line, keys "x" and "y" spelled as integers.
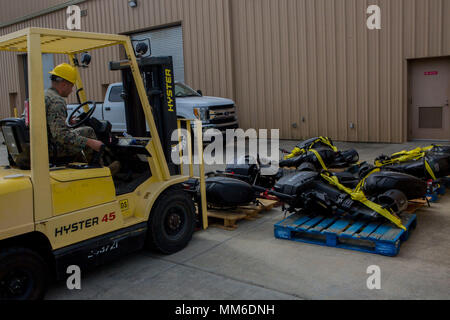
{"x": 65, "y": 71}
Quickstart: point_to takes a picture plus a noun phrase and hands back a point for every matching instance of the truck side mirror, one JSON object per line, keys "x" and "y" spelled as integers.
{"x": 200, "y": 92}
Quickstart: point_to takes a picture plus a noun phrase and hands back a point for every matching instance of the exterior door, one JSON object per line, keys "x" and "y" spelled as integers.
{"x": 429, "y": 112}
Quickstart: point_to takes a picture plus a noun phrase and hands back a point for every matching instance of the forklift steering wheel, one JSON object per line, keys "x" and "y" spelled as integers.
{"x": 82, "y": 117}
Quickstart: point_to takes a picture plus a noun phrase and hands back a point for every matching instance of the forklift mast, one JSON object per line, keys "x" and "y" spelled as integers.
{"x": 158, "y": 77}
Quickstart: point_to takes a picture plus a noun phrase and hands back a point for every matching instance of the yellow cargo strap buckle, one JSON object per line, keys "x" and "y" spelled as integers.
{"x": 359, "y": 196}
{"x": 319, "y": 158}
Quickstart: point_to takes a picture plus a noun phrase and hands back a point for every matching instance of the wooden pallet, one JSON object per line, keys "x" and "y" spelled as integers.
{"x": 227, "y": 219}
{"x": 377, "y": 237}
{"x": 416, "y": 204}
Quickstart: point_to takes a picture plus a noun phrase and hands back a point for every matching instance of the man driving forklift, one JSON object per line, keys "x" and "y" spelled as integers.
{"x": 64, "y": 142}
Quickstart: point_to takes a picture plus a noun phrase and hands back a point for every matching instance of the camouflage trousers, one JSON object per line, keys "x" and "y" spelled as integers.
{"x": 75, "y": 152}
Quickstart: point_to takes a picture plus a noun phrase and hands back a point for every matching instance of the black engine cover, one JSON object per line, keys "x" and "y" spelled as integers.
{"x": 296, "y": 183}
{"x": 228, "y": 192}
{"x": 380, "y": 182}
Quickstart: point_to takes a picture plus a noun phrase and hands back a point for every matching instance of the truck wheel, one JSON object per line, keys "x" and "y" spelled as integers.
{"x": 172, "y": 221}
{"x": 23, "y": 275}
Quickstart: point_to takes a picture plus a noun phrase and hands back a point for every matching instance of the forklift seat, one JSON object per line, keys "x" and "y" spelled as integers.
{"x": 17, "y": 139}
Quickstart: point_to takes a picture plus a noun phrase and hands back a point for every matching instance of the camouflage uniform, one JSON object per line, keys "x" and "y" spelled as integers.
{"x": 68, "y": 142}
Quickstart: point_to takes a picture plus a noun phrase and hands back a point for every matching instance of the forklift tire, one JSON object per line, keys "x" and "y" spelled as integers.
{"x": 23, "y": 275}
{"x": 172, "y": 221}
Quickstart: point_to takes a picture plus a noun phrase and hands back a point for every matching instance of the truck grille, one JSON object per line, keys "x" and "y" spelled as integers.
{"x": 222, "y": 114}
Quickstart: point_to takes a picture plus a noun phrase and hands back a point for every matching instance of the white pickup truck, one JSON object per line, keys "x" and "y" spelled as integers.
{"x": 219, "y": 113}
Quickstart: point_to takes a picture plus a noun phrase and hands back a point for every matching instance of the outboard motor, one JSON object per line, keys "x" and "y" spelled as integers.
{"x": 310, "y": 192}
{"x": 222, "y": 192}
{"x": 438, "y": 162}
{"x": 381, "y": 182}
{"x": 228, "y": 192}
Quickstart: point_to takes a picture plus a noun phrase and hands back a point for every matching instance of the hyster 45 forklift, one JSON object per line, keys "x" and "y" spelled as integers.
{"x": 56, "y": 214}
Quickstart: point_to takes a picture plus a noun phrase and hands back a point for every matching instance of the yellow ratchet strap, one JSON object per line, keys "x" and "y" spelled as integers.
{"x": 363, "y": 181}
{"x": 360, "y": 197}
{"x": 319, "y": 158}
{"x": 404, "y": 156}
{"x": 297, "y": 151}
{"x": 429, "y": 170}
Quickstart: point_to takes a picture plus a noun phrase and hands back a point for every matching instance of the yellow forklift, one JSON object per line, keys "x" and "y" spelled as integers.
{"x": 56, "y": 214}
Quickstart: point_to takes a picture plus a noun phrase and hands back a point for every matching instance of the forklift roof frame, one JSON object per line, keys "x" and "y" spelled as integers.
{"x": 36, "y": 41}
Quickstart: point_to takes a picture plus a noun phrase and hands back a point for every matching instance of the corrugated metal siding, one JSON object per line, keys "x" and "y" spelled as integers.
{"x": 283, "y": 60}
{"x": 207, "y": 45}
{"x": 18, "y": 8}
{"x": 316, "y": 59}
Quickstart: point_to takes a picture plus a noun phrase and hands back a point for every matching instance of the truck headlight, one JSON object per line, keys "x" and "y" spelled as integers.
{"x": 201, "y": 113}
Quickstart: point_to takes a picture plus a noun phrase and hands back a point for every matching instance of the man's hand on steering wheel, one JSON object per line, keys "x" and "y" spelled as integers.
{"x": 77, "y": 118}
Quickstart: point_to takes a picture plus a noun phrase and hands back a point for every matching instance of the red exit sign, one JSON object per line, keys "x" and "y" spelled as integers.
{"x": 431, "y": 73}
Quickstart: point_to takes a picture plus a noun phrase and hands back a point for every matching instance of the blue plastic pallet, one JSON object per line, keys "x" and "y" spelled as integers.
{"x": 376, "y": 237}
{"x": 437, "y": 192}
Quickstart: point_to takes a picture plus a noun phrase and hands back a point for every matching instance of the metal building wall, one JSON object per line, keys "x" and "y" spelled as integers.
{"x": 206, "y": 31}
{"x": 317, "y": 59}
{"x": 11, "y": 10}
{"x": 282, "y": 60}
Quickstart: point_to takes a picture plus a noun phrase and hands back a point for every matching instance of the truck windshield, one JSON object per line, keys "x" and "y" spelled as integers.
{"x": 182, "y": 90}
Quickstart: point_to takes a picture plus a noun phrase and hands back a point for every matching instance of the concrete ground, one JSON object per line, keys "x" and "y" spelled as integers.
{"x": 249, "y": 263}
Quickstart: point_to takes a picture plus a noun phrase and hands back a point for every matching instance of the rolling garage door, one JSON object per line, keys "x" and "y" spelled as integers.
{"x": 167, "y": 42}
